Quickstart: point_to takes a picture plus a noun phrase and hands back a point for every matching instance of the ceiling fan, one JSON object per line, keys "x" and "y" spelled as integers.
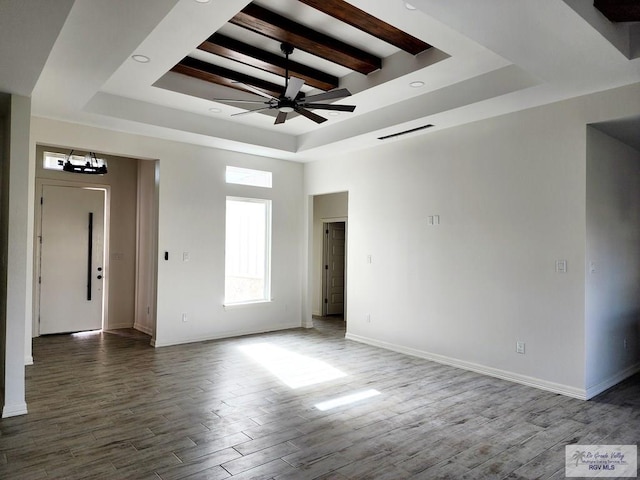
{"x": 292, "y": 100}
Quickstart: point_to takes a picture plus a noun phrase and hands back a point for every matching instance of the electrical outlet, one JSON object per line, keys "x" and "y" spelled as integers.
{"x": 184, "y": 317}
{"x": 520, "y": 347}
{"x": 368, "y": 318}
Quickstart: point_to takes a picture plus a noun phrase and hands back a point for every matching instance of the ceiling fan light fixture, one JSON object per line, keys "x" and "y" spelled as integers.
{"x": 417, "y": 84}
{"x": 292, "y": 99}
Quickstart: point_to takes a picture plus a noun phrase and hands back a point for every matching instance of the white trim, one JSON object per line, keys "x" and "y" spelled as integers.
{"x": 37, "y": 232}
{"x": 474, "y": 367}
{"x": 613, "y": 380}
{"x": 14, "y": 410}
{"x": 143, "y": 328}
{"x": 118, "y": 326}
{"x": 28, "y": 360}
{"x": 232, "y": 306}
{"x": 231, "y": 334}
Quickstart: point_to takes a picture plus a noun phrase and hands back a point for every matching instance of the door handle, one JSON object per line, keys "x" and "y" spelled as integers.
{"x": 89, "y": 255}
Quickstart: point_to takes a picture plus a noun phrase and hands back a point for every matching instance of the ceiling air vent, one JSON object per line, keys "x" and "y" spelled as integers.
{"x": 411, "y": 130}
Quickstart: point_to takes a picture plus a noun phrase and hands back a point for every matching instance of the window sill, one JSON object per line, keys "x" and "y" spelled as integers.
{"x": 233, "y": 306}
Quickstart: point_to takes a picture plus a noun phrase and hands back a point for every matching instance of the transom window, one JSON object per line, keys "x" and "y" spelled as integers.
{"x": 248, "y": 176}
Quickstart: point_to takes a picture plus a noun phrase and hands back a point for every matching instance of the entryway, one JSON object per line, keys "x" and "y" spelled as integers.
{"x": 329, "y": 255}
{"x": 71, "y": 259}
{"x": 334, "y": 268}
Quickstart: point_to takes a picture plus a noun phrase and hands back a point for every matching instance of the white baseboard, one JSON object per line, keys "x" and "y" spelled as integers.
{"x": 143, "y": 329}
{"x": 230, "y": 334}
{"x": 613, "y": 380}
{"x": 14, "y": 410}
{"x": 28, "y": 360}
{"x": 493, "y": 372}
{"x": 117, "y": 326}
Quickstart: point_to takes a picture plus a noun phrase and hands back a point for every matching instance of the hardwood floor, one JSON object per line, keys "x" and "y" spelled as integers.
{"x": 109, "y": 406}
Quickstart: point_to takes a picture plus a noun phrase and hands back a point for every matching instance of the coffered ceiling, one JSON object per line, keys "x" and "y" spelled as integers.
{"x": 438, "y": 63}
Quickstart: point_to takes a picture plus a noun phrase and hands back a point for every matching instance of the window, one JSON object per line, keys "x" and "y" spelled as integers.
{"x": 85, "y": 163}
{"x": 53, "y": 160}
{"x": 248, "y": 250}
{"x": 247, "y": 176}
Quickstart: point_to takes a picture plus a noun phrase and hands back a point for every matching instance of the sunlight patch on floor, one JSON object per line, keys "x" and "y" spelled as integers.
{"x": 346, "y": 400}
{"x": 294, "y": 369}
{"x": 88, "y": 333}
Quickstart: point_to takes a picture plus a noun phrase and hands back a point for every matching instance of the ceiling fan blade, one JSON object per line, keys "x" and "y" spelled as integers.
{"x": 233, "y": 100}
{"x": 255, "y": 90}
{"x": 329, "y": 106}
{"x": 282, "y": 116}
{"x": 249, "y": 111}
{"x": 339, "y": 93}
{"x": 310, "y": 115}
{"x": 293, "y": 87}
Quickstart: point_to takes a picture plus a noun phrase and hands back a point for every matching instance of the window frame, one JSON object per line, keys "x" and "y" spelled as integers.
{"x": 266, "y": 298}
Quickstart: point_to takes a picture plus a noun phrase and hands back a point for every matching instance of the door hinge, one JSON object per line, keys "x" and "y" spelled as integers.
{"x": 39, "y": 280}
{"x": 326, "y": 300}
{"x": 326, "y": 267}
{"x": 326, "y": 232}
{"x": 41, "y": 200}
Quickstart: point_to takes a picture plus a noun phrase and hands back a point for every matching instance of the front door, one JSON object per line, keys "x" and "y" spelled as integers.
{"x": 334, "y": 253}
{"x": 71, "y": 259}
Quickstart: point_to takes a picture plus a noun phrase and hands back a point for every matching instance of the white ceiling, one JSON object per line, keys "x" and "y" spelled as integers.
{"x": 491, "y": 57}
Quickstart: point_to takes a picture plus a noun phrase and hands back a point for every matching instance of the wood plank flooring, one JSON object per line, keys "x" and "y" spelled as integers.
{"x": 109, "y": 406}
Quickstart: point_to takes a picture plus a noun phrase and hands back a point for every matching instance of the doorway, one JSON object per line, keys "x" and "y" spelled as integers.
{"x": 333, "y": 283}
{"x": 71, "y": 259}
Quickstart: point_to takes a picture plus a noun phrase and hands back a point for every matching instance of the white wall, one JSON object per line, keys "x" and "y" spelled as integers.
{"x": 147, "y": 247}
{"x": 613, "y": 261}
{"x": 192, "y": 193}
{"x": 325, "y": 208}
{"x": 510, "y": 193}
{"x": 4, "y": 228}
{"x": 19, "y": 256}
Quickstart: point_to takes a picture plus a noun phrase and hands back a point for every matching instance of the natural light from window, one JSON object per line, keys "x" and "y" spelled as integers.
{"x": 346, "y": 400}
{"x": 248, "y": 176}
{"x": 294, "y": 369}
{"x": 247, "y": 250}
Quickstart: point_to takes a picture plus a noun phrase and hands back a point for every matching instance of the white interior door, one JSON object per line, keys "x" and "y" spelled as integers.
{"x": 71, "y": 259}
{"x": 334, "y": 268}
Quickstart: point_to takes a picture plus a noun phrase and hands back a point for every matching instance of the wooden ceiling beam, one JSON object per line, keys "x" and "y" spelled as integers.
{"x": 275, "y": 26}
{"x": 208, "y": 72}
{"x": 361, "y": 20}
{"x": 619, "y": 10}
{"x": 232, "y": 49}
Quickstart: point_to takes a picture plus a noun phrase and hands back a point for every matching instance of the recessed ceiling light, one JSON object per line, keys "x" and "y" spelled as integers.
{"x": 409, "y": 6}
{"x": 141, "y": 58}
{"x": 215, "y": 110}
{"x": 203, "y": 1}
{"x": 417, "y": 84}
{"x": 334, "y": 114}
